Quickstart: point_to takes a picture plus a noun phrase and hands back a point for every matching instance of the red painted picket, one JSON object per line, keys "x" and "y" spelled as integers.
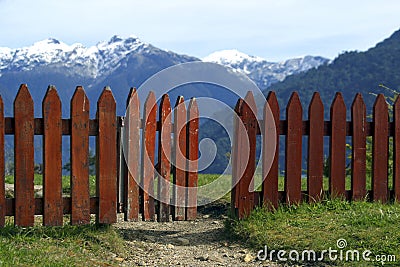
{"x": 192, "y": 144}
{"x": 80, "y": 192}
{"x": 24, "y": 161}
{"x": 380, "y": 150}
{"x": 179, "y": 176}
{"x": 337, "y": 147}
{"x": 315, "y": 162}
{"x": 149, "y": 134}
{"x": 52, "y": 159}
{"x": 358, "y": 159}
{"x": 106, "y": 152}
{"x": 131, "y": 154}
{"x": 164, "y": 157}
{"x": 270, "y": 169}
{"x": 337, "y": 128}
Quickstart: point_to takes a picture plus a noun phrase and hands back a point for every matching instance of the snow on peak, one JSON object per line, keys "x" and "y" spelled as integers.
{"x": 230, "y": 57}
{"x": 100, "y": 58}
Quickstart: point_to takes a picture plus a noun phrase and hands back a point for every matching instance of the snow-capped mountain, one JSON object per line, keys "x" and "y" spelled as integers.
{"x": 261, "y": 71}
{"x": 120, "y": 63}
{"x": 90, "y": 62}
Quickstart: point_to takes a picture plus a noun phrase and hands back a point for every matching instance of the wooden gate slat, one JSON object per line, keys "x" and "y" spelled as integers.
{"x": 358, "y": 159}
{"x": 132, "y": 156}
{"x": 24, "y": 158}
{"x": 246, "y": 183}
{"x": 52, "y": 159}
{"x": 2, "y": 166}
{"x": 179, "y": 151}
{"x": 396, "y": 149}
{"x": 149, "y": 134}
{"x": 237, "y": 168}
{"x": 164, "y": 157}
{"x": 380, "y": 150}
{"x": 107, "y": 158}
{"x": 80, "y": 194}
{"x": 192, "y": 157}
{"x": 270, "y": 171}
{"x": 337, "y": 147}
{"x": 315, "y": 160}
{"x": 294, "y": 117}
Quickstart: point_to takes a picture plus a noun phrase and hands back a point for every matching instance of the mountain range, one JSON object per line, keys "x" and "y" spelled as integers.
{"x": 120, "y": 63}
{"x": 125, "y": 62}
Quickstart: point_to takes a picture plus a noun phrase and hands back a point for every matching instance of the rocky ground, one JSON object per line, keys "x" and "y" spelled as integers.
{"x": 202, "y": 242}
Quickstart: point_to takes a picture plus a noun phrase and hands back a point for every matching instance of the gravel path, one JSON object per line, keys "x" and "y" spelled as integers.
{"x": 202, "y": 242}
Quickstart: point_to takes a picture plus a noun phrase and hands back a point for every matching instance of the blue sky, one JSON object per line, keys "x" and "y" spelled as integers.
{"x": 273, "y": 29}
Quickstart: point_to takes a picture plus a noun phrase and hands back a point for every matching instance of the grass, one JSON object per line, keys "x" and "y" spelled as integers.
{"x": 89, "y": 245}
{"x": 66, "y": 183}
{"x": 364, "y": 225}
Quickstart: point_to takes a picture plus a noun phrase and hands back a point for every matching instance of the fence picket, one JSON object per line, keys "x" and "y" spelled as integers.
{"x": 270, "y": 173}
{"x": 106, "y": 158}
{"x": 2, "y": 167}
{"x": 294, "y": 118}
{"x": 237, "y": 166}
{"x": 24, "y": 162}
{"x": 179, "y": 150}
{"x": 80, "y": 194}
{"x": 192, "y": 143}
{"x": 358, "y": 159}
{"x": 164, "y": 157}
{"x": 149, "y": 134}
{"x": 396, "y": 149}
{"x": 380, "y": 150}
{"x": 52, "y": 159}
{"x": 246, "y": 183}
{"x": 315, "y": 162}
{"x": 337, "y": 147}
{"x": 132, "y": 145}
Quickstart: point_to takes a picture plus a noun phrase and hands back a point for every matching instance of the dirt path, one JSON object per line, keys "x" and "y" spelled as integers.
{"x": 197, "y": 243}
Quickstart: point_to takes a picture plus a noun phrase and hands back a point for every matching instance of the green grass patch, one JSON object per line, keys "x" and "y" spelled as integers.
{"x": 364, "y": 225}
{"x": 90, "y": 245}
{"x": 66, "y": 183}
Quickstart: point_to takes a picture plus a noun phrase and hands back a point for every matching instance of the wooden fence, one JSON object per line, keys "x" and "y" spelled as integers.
{"x": 244, "y": 198}
{"x": 107, "y": 129}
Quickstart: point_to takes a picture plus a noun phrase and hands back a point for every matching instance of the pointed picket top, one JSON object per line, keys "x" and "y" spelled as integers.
{"x": 315, "y": 104}
{"x": 272, "y": 101}
{"x": 106, "y": 101}
{"x": 380, "y": 103}
{"x": 338, "y": 103}
{"x": 107, "y": 95}
{"x": 50, "y": 96}
{"x": 149, "y": 104}
{"x": 132, "y": 96}
{"x": 238, "y": 106}
{"x": 358, "y": 101}
{"x": 294, "y": 104}
{"x": 396, "y": 104}
{"x": 193, "y": 109}
{"x": 251, "y": 103}
{"x": 23, "y": 94}
{"x": 165, "y": 105}
{"x": 51, "y": 90}
{"x": 80, "y": 96}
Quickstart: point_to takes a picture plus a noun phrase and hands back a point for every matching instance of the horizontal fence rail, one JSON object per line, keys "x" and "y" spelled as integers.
{"x": 125, "y": 181}
{"x": 380, "y": 129}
